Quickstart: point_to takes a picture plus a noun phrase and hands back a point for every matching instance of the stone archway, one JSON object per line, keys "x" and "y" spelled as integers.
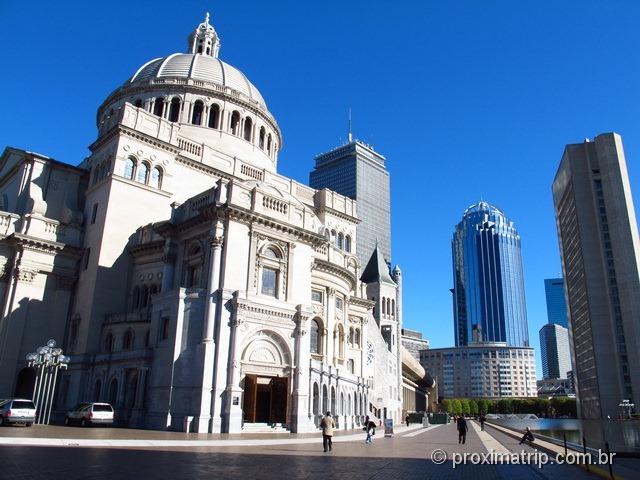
{"x": 266, "y": 364}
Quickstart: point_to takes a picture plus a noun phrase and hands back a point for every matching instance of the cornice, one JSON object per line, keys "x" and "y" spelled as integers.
{"x": 332, "y": 268}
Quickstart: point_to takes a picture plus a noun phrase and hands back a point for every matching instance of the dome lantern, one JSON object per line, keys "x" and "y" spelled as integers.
{"x": 204, "y": 40}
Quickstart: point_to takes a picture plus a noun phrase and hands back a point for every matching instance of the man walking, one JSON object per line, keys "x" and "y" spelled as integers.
{"x": 462, "y": 430}
{"x": 482, "y": 420}
{"x": 327, "y": 424}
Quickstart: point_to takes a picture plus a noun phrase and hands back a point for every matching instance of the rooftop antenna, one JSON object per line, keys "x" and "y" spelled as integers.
{"x": 350, "y": 132}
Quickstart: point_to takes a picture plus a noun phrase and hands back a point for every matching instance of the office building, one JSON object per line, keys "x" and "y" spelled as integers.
{"x": 554, "y": 348}
{"x": 599, "y": 249}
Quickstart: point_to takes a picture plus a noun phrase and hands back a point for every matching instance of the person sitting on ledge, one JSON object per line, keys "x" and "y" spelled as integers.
{"x": 527, "y": 437}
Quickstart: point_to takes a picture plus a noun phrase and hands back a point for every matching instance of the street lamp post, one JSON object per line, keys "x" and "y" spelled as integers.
{"x": 47, "y": 360}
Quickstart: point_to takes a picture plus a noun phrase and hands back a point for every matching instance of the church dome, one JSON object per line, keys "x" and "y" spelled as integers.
{"x": 200, "y": 68}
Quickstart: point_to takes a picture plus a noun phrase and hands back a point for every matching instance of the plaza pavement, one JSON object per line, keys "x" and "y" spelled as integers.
{"x": 404, "y": 456}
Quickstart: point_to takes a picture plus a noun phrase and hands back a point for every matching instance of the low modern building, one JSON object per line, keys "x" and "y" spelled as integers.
{"x": 554, "y": 348}
{"x": 413, "y": 342}
{"x": 555, "y": 387}
{"x": 482, "y": 370}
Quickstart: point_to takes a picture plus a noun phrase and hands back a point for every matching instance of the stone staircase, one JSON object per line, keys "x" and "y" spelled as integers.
{"x": 264, "y": 428}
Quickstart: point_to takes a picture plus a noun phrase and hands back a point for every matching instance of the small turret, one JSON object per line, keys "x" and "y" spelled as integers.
{"x": 204, "y": 40}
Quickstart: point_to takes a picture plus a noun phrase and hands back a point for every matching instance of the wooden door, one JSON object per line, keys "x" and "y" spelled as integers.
{"x": 249, "y": 403}
{"x": 279, "y": 396}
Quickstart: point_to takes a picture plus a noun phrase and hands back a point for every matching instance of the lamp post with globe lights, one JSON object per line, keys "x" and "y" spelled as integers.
{"x": 47, "y": 360}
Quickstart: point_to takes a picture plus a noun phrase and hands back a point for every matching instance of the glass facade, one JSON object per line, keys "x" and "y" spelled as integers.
{"x": 488, "y": 293}
{"x": 556, "y": 304}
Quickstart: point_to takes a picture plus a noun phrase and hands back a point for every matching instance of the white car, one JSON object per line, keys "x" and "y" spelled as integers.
{"x": 17, "y": 410}
{"x": 90, "y": 414}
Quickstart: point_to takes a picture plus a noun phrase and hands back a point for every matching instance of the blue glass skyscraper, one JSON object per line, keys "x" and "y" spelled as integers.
{"x": 488, "y": 292}
{"x": 556, "y": 304}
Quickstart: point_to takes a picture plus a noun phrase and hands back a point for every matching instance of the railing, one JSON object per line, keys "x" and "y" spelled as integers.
{"x": 189, "y": 147}
{"x": 276, "y": 205}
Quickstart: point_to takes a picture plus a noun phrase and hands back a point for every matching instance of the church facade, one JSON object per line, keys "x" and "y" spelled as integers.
{"x": 184, "y": 276}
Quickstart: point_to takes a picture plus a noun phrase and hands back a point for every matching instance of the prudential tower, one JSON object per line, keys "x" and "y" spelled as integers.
{"x": 488, "y": 293}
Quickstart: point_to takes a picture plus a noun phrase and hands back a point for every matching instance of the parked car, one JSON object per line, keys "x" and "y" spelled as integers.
{"x": 90, "y": 414}
{"x": 17, "y": 410}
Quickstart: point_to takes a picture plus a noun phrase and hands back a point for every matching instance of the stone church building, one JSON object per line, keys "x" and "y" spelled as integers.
{"x": 184, "y": 276}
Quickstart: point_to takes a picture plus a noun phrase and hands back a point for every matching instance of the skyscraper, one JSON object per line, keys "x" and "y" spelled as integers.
{"x": 599, "y": 248}
{"x": 357, "y": 171}
{"x": 554, "y": 347}
{"x": 556, "y": 303}
{"x": 488, "y": 292}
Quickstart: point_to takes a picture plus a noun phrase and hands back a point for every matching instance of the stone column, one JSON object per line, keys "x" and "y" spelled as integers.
{"x": 221, "y": 359}
{"x": 232, "y": 410}
{"x": 206, "y": 347}
{"x": 301, "y": 382}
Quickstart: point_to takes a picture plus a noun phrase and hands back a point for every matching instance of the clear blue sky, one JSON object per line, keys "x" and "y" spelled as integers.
{"x": 466, "y": 99}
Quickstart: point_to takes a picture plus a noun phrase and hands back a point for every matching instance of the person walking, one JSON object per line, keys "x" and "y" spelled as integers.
{"x": 482, "y": 419}
{"x": 370, "y": 428}
{"x": 406, "y": 419}
{"x": 462, "y": 430}
{"x": 327, "y": 424}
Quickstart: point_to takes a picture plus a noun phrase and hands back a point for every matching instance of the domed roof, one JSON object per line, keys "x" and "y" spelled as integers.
{"x": 483, "y": 207}
{"x": 202, "y": 67}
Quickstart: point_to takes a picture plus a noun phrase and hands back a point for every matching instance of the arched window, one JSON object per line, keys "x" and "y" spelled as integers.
{"x": 135, "y": 298}
{"x": 358, "y": 337}
{"x": 129, "y": 168}
{"x": 333, "y": 235}
{"x": 316, "y": 346}
{"x": 333, "y": 400}
{"x": 269, "y": 144}
{"x": 196, "y": 115}
{"x": 349, "y": 412}
{"x": 146, "y": 338}
{"x": 138, "y": 103}
{"x": 342, "y": 410}
{"x": 174, "y": 110}
{"x": 393, "y": 308}
{"x": 214, "y": 116}
{"x": 153, "y": 290}
{"x": 127, "y": 340}
{"x": 340, "y": 341}
{"x": 340, "y": 241}
{"x": 261, "y": 138}
{"x": 271, "y": 253}
{"x": 97, "y": 390}
{"x": 384, "y": 306}
{"x": 248, "y": 126}
{"x": 193, "y": 268}
{"x": 158, "y": 106}
{"x": 325, "y": 400}
{"x": 316, "y": 399}
{"x": 142, "y": 175}
{"x": 108, "y": 342}
{"x": 144, "y": 296}
{"x": 113, "y": 392}
{"x": 388, "y": 306}
{"x": 235, "y": 123}
{"x": 347, "y": 243}
{"x": 351, "y": 336}
{"x": 350, "y": 365}
{"x": 156, "y": 177}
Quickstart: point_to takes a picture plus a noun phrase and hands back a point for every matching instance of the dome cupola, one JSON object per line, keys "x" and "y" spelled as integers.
{"x": 205, "y": 40}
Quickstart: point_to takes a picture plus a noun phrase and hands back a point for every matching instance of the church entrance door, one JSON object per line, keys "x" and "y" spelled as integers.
{"x": 265, "y": 399}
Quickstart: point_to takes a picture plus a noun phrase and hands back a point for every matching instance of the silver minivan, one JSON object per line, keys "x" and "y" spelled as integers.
{"x": 17, "y": 410}
{"x": 90, "y": 414}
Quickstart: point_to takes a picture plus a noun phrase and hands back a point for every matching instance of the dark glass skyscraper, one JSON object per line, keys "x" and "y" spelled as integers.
{"x": 556, "y": 304}
{"x": 488, "y": 292}
{"x": 357, "y": 171}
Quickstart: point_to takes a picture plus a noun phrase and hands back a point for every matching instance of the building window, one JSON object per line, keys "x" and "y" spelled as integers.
{"x": 127, "y": 341}
{"x": 193, "y": 266}
{"x": 142, "y": 175}
{"x": 248, "y": 126}
{"x": 214, "y": 116}
{"x": 269, "y": 144}
{"x": 339, "y": 303}
{"x": 315, "y": 337}
{"x": 138, "y": 103}
{"x": 347, "y": 243}
{"x": 158, "y": 107}
{"x": 156, "y": 177}
{"x": 196, "y": 115}
{"x": 357, "y": 337}
{"x": 129, "y": 168}
{"x": 94, "y": 213}
{"x": 261, "y": 138}
{"x": 269, "y": 281}
{"x": 135, "y": 298}
{"x": 174, "y": 110}
{"x": 350, "y": 366}
{"x": 235, "y": 123}
{"x": 164, "y": 328}
{"x": 108, "y": 342}
{"x": 316, "y": 296}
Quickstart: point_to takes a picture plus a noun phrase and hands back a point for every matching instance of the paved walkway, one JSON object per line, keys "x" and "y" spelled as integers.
{"x": 406, "y": 456}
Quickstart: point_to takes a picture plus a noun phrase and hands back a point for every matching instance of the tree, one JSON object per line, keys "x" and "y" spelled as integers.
{"x": 466, "y": 408}
{"x": 456, "y": 407}
{"x": 483, "y": 406}
{"x": 446, "y": 406}
{"x": 473, "y": 406}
